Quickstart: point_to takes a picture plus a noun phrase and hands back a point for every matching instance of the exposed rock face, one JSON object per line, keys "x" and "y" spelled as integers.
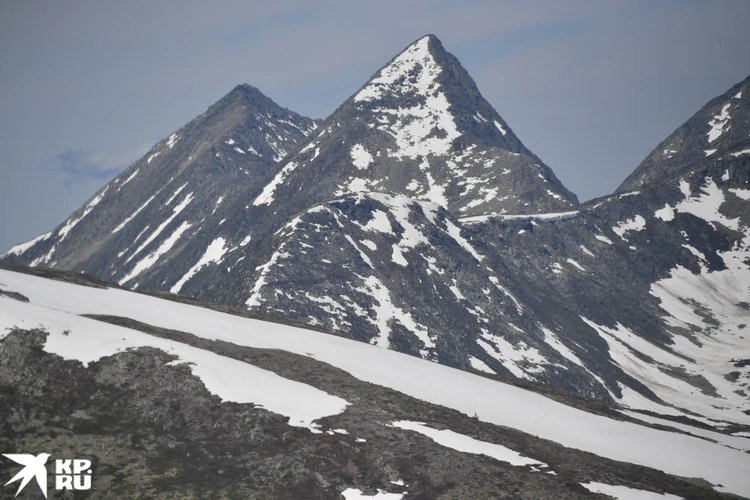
{"x": 420, "y": 128}
{"x": 401, "y": 274}
{"x": 662, "y": 275}
{"x": 150, "y": 217}
{"x": 719, "y": 130}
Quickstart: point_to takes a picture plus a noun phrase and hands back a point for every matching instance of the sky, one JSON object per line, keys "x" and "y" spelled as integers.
{"x": 590, "y": 86}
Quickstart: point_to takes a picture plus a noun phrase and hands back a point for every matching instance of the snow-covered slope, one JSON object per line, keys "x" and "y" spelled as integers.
{"x": 58, "y": 307}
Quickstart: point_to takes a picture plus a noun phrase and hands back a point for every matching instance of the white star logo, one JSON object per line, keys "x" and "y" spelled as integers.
{"x": 34, "y": 467}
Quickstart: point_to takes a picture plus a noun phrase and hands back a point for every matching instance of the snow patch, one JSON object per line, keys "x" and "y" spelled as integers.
{"x": 467, "y": 444}
{"x": 413, "y": 185}
{"x": 554, "y": 342}
{"x": 717, "y": 124}
{"x": 22, "y": 247}
{"x": 637, "y": 223}
{"x": 398, "y": 257}
{"x": 553, "y": 217}
{"x": 356, "y": 494}
{"x": 416, "y": 56}
{"x": 521, "y": 359}
{"x": 71, "y": 223}
{"x": 603, "y": 238}
{"x": 455, "y": 232}
{"x": 172, "y": 140}
{"x": 632, "y": 193}
{"x": 741, "y": 193}
{"x": 175, "y": 194}
{"x": 213, "y": 254}
{"x": 587, "y": 251}
{"x": 360, "y": 157}
{"x": 414, "y": 72}
{"x": 386, "y": 312}
{"x": 379, "y": 223}
{"x": 267, "y": 195}
{"x": 175, "y": 212}
{"x": 666, "y": 214}
{"x": 625, "y": 493}
{"x": 151, "y": 259}
{"x": 135, "y": 172}
{"x": 369, "y": 244}
{"x": 124, "y": 223}
{"x": 706, "y": 204}
{"x": 576, "y": 264}
{"x": 480, "y": 365}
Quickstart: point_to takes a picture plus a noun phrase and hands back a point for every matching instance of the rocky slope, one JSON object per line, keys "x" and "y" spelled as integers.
{"x": 175, "y": 401}
{"x": 720, "y": 128}
{"x": 400, "y": 273}
{"x": 150, "y": 216}
{"x": 420, "y": 128}
{"x": 662, "y": 274}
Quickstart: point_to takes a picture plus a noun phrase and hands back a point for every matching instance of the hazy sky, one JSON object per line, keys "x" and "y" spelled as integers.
{"x": 591, "y": 86}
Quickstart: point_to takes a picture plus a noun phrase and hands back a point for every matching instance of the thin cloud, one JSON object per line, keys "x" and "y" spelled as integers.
{"x": 82, "y": 166}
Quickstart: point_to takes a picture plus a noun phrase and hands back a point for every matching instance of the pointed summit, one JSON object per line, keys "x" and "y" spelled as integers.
{"x": 413, "y": 70}
{"x": 247, "y": 95}
{"x": 426, "y": 71}
{"x": 419, "y": 127}
{"x": 180, "y": 192}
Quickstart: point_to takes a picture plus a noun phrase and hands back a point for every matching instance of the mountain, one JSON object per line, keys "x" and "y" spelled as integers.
{"x": 420, "y": 128}
{"x": 168, "y": 400}
{"x": 202, "y": 222}
{"x": 720, "y": 128}
{"x": 151, "y": 214}
{"x": 413, "y": 218}
{"x": 662, "y": 274}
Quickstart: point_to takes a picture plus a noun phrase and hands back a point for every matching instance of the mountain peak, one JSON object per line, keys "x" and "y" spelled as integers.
{"x": 414, "y": 69}
{"x": 719, "y": 130}
{"x": 246, "y": 93}
{"x": 428, "y": 87}
{"x": 195, "y": 176}
{"x": 421, "y": 128}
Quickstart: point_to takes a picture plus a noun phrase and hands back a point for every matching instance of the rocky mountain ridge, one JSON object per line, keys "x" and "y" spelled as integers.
{"x": 718, "y": 131}
{"x": 420, "y": 128}
{"x": 197, "y": 175}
